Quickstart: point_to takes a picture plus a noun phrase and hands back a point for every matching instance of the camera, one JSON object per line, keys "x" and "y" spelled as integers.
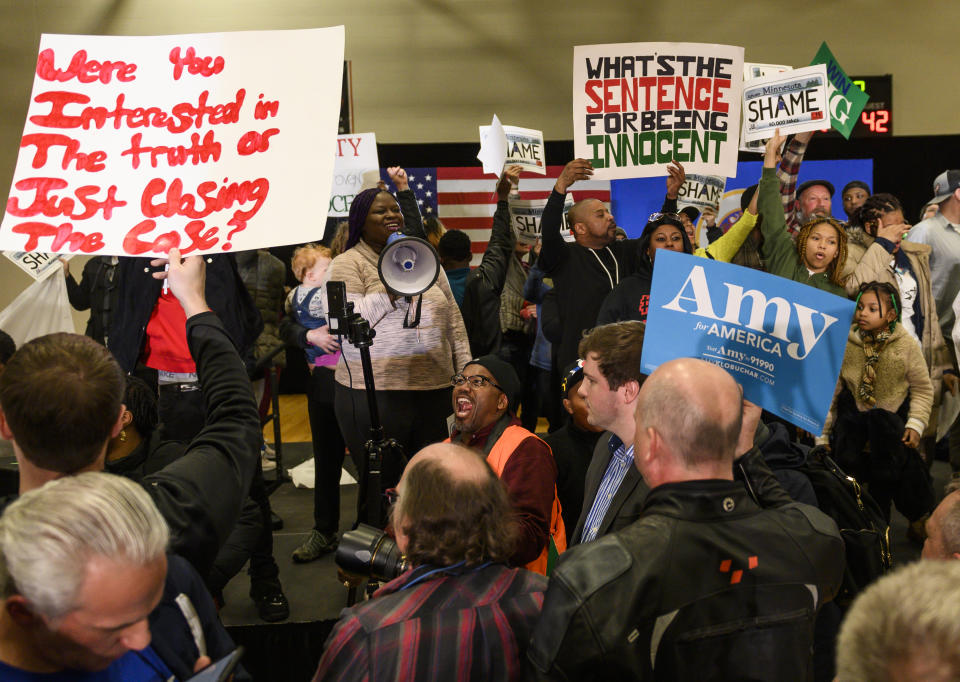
{"x": 368, "y": 552}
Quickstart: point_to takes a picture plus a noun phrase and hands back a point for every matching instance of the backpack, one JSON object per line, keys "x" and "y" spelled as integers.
{"x": 865, "y": 532}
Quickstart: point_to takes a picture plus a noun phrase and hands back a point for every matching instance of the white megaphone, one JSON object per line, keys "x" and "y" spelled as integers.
{"x": 408, "y": 265}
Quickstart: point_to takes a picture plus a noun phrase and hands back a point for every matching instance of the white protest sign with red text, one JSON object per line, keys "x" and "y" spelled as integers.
{"x": 356, "y": 167}
{"x": 206, "y": 142}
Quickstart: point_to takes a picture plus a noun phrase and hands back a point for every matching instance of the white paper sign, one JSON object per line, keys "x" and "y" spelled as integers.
{"x": 753, "y": 70}
{"x": 795, "y": 101}
{"x": 37, "y": 265}
{"x": 702, "y": 191}
{"x": 525, "y": 215}
{"x": 355, "y": 167}
{"x": 639, "y": 106}
{"x": 525, "y": 148}
{"x": 493, "y": 147}
{"x": 207, "y": 142}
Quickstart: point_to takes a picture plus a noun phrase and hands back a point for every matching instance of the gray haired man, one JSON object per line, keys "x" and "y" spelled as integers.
{"x": 83, "y": 565}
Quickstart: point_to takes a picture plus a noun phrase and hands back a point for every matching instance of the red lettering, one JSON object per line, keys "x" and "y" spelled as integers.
{"x": 51, "y": 205}
{"x": 58, "y": 99}
{"x": 701, "y": 101}
{"x": 91, "y": 162}
{"x": 176, "y": 202}
{"x": 133, "y": 245}
{"x": 253, "y": 141}
{"x": 177, "y": 155}
{"x": 196, "y": 66}
{"x": 719, "y": 87}
{"x": 199, "y": 239}
{"x": 263, "y": 109}
{"x": 609, "y": 92}
{"x": 590, "y": 88}
{"x": 648, "y": 83}
{"x": 62, "y": 234}
{"x": 662, "y": 94}
{"x": 83, "y": 69}
{"x": 684, "y": 95}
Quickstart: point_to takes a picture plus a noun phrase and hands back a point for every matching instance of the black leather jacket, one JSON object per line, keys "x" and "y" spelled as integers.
{"x": 707, "y": 585}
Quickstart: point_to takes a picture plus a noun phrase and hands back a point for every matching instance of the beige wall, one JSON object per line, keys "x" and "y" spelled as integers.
{"x": 431, "y": 71}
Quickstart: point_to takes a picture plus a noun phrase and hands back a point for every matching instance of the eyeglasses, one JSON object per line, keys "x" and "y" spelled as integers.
{"x": 658, "y": 216}
{"x": 392, "y": 496}
{"x": 475, "y": 380}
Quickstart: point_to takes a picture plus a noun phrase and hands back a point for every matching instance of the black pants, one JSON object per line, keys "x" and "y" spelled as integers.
{"x": 328, "y": 450}
{"x": 414, "y": 419}
{"x": 183, "y": 414}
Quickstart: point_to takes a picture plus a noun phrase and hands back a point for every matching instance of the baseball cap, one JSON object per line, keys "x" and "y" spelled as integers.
{"x": 804, "y": 186}
{"x": 944, "y": 185}
{"x": 571, "y": 377}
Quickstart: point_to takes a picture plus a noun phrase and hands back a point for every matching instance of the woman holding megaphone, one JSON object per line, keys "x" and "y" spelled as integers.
{"x": 413, "y": 359}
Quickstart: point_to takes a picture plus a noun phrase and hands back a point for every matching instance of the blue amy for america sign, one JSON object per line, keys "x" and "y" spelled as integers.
{"x": 781, "y": 340}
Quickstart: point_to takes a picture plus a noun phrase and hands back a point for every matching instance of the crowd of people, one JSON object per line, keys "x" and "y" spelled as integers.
{"x": 653, "y": 530}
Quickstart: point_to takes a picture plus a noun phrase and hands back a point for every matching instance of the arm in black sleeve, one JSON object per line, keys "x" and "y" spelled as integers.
{"x": 199, "y": 495}
{"x": 669, "y": 205}
{"x": 499, "y": 251}
{"x": 292, "y": 332}
{"x": 553, "y": 246}
{"x": 550, "y": 322}
{"x": 79, "y": 294}
{"x": 412, "y": 220}
{"x": 759, "y": 480}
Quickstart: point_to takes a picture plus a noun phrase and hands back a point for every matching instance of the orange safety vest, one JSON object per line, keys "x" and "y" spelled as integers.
{"x": 500, "y": 453}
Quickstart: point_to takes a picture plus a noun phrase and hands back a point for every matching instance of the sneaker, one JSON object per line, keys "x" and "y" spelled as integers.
{"x": 267, "y": 451}
{"x": 267, "y": 464}
{"x": 272, "y": 606}
{"x": 315, "y": 547}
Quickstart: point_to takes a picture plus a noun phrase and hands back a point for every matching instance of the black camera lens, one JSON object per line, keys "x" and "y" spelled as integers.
{"x": 367, "y": 551}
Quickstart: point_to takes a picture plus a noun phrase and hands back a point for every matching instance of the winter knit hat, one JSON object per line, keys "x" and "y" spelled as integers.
{"x": 505, "y": 376}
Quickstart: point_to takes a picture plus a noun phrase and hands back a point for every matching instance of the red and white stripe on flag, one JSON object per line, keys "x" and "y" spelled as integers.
{"x": 467, "y": 199}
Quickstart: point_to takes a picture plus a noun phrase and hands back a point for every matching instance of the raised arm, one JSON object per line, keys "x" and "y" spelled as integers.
{"x": 787, "y": 174}
{"x": 553, "y": 247}
{"x": 778, "y": 248}
{"x": 199, "y": 494}
{"x": 726, "y": 246}
{"x": 412, "y": 219}
{"x": 676, "y": 176}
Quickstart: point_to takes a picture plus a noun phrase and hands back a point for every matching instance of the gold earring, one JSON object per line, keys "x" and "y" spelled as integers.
{"x": 123, "y": 435}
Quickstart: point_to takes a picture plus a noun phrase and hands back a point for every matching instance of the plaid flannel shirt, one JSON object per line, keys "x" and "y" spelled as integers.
{"x": 787, "y": 173}
{"x": 438, "y": 624}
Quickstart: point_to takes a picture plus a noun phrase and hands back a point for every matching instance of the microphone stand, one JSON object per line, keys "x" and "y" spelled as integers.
{"x": 378, "y": 449}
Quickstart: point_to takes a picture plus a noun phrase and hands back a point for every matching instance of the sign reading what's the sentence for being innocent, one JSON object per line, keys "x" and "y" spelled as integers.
{"x": 204, "y": 142}
{"x": 782, "y": 341}
{"x": 639, "y": 106}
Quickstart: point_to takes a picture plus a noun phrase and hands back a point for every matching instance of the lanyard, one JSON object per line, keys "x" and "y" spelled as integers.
{"x": 616, "y": 267}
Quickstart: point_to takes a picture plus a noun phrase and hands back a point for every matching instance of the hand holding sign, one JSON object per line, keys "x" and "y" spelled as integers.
{"x": 510, "y": 177}
{"x": 772, "y": 152}
{"x": 186, "y": 279}
{"x": 675, "y": 179}
{"x": 578, "y": 169}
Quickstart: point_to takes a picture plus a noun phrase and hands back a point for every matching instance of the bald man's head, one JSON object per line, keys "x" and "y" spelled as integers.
{"x": 592, "y": 224}
{"x": 696, "y": 407}
{"x": 451, "y": 507}
{"x": 943, "y": 529}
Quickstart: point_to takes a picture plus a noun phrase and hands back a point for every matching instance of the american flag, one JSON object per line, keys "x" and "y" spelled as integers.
{"x": 465, "y": 199}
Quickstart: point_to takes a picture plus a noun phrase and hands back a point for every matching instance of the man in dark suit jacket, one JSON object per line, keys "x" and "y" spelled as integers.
{"x": 614, "y": 490}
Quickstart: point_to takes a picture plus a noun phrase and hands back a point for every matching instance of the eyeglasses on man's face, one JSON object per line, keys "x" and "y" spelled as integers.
{"x": 476, "y": 380}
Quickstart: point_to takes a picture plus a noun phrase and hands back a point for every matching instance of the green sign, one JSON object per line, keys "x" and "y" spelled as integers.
{"x": 846, "y": 99}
